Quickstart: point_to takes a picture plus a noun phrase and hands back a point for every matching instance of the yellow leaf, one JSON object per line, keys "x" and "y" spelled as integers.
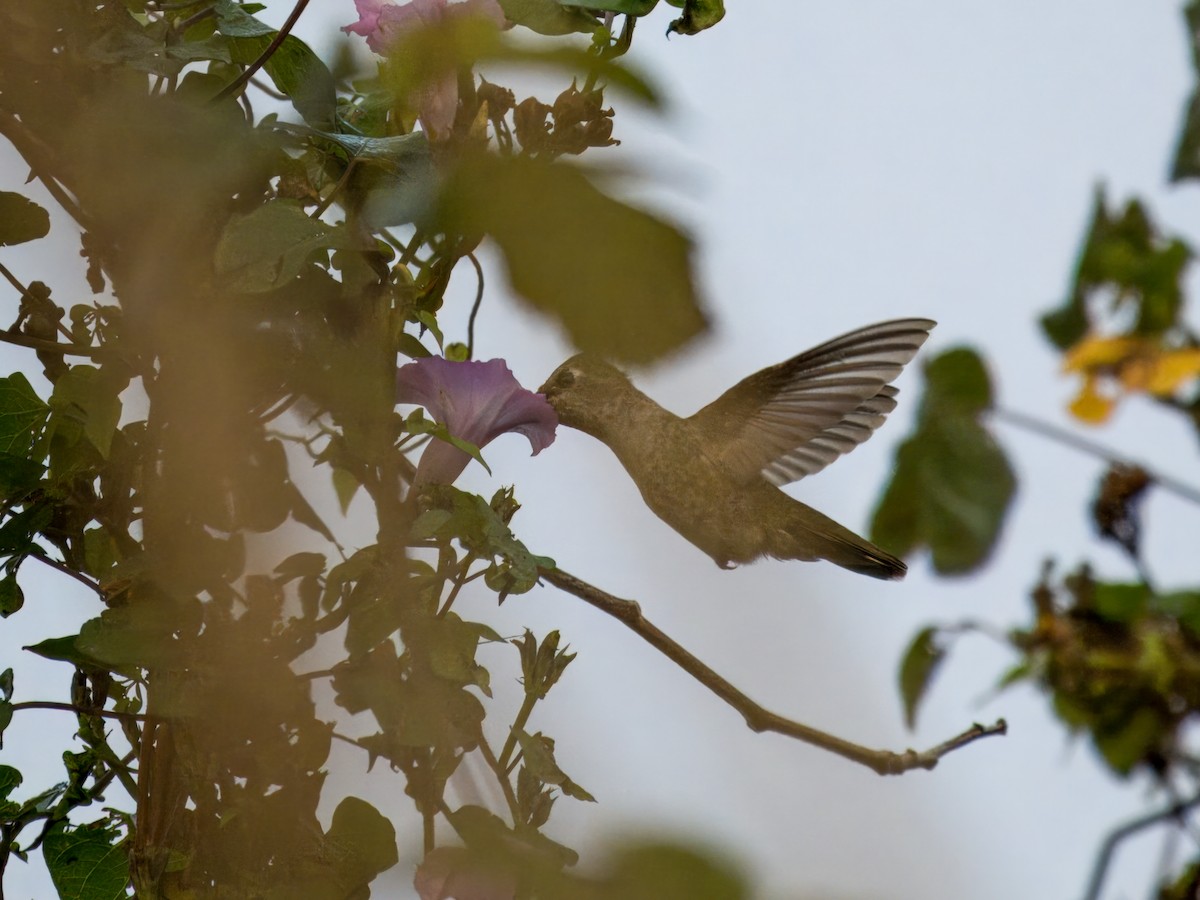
{"x": 1172, "y": 369}
{"x": 1091, "y": 406}
{"x": 1096, "y": 352}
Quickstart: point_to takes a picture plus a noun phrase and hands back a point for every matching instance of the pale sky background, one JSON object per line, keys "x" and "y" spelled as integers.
{"x": 837, "y": 164}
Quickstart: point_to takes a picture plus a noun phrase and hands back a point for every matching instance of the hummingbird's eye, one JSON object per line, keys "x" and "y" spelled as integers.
{"x": 566, "y": 378}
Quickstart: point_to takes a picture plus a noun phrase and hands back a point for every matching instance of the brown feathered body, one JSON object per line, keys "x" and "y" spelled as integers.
{"x": 714, "y": 477}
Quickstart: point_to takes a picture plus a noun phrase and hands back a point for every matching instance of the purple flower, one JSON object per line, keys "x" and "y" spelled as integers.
{"x": 382, "y": 23}
{"x": 477, "y": 402}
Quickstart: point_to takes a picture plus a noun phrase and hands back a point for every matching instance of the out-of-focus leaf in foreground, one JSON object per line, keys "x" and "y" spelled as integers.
{"x": 423, "y": 55}
{"x": 952, "y": 484}
{"x": 619, "y": 280}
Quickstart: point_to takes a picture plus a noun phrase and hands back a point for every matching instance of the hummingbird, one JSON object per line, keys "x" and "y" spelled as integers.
{"x": 715, "y": 476}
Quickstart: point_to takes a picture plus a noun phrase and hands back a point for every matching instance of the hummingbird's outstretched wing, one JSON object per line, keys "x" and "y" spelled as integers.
{"x": 795, "y": 418}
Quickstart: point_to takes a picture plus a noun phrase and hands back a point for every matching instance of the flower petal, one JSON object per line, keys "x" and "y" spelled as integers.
{"x": 477, "y": 402}
{"x": 368, "y": 17}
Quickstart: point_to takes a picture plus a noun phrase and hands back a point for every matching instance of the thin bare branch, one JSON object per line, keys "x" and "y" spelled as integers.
{"x": 882, "y": 762}
{"x": 1100, "y": 869}
{"x": 79, "y": 710}
{"x": 280, "y": 36}
{"x": 67, "y": 570}
{"x": 41, "y": 161}
{"x": 474, "y": 306}
{"x": 1092, "y": 448}
{"x": 24, "y": 340}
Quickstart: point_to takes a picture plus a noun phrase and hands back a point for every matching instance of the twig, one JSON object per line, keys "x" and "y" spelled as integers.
{"x": 79, "y": 710}
{"x": 459, "y": 580}
{"x": 1092, "y": 448}
{"x": 67, "y": 570}
{"x": 248, "y": 73}
{"x": 268, "y": 90}
{"x": 510, "y": 798}
{"x": 12, "y": 279}
{"x": 522, "y": 717}
{"x": 474, "y": 307}
{"x": 1174, "y": 811}
{"x": 37, "y": 155}
{"x": 337, "y": 189}
{"x": 24, "y": 340}
{"x": 882, "y": 762}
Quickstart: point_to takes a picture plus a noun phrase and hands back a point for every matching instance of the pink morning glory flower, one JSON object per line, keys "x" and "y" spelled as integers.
{"x": 382, "y": 23}
{"x": 477, "y": 402}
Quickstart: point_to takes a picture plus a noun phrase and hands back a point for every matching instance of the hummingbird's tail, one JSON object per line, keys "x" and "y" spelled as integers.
{"x": 812, "y": 535}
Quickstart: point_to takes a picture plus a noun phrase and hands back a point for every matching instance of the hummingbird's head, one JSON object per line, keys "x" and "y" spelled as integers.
{"x": 584, "y": 392}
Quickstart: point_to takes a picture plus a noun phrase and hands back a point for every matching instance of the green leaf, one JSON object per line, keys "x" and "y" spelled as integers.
{"x": 1015, "y": 674}
{"x": 64, "y": 649}
{"x": 1186, "y": 163}
{"x": 480, "y": 530}
{"x": 414, "y": 708}
{"x": 1187, "y": 153}
{"x": 90, "y": 397}
{"x": 538, "y": 753}
{"x": 1130, "y": 743}
{"x": 654, "y": 870}
{"x": 214, "y": 47}
{"x": 697, "y": 16}
{"x": 619, "y": 280}
{"x": 628, "y": 7}
{"x": 1181, "y": 605}
{"x": 12, "y": 598}
{"x": 139, "y": 634}
{"x": 952, "y": 484}
{"x": 22, "y": 415}
{"x": 921, "y": 662}
{"x": 18, "y": 531}
{"x": 479, "y": 827}
{"x": 1127, "y": 263}
{"x": 1120, "y": 602}
{"x": 300, "y": 565}
{"x": 99, "y": 552}
{"x": 6, "y": 684}
{"x": 552, "y": 17}
{"x": 6, "y": 714}
{"x": 411, "y": 347}
{"x": 295, "y": 69}
{"x": 21, "y": 220}
{"x": 87, "y": 863}
{"x": 393, "y": 181}
{"x": 345, "y": 485}
{"x": 429, "y": 53}
{"x": 19, "y": 475}
{"x": 10, "y": 780}
{"x": 267, "y": 248}
{"x": 365, "y": 843}
{"x": 416, "y": 423}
